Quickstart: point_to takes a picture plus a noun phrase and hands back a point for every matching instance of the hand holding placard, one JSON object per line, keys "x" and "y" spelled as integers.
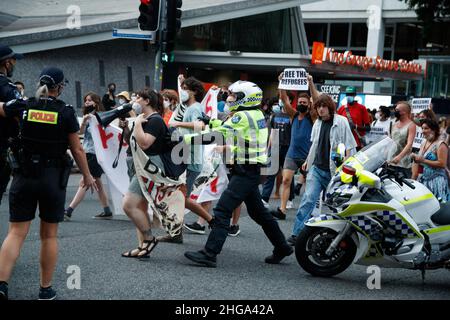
{"x": 294, "y": 79}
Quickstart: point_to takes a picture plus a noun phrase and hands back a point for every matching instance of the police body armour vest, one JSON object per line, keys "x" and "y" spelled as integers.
{"x": 42, "y": 128}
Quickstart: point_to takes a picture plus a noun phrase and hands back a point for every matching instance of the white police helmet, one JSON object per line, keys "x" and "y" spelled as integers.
{"x": 248, "y": 95}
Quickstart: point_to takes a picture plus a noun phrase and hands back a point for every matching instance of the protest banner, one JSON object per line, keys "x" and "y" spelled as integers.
{"x": 106, "y": 143}
{"x": 332, "y": 90}
{"x": 294, "y": 79}
{"x": 418, "y": 105}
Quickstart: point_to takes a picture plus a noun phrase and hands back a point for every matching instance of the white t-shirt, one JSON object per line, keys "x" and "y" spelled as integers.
{"x": 379, "y": 129}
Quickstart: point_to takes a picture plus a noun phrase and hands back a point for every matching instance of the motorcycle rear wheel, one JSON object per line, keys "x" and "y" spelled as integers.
{"x": 310, "y": 252}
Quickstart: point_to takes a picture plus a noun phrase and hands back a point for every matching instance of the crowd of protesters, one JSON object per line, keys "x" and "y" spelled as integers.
{"x": 304, "y": 129}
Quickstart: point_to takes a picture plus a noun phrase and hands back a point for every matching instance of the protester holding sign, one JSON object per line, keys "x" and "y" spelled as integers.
{"x": 302, "y": 119}
{"x": 357, "y": 117}
{"x": 403, "y": 133}
{"x": 381, "y": 127}
{"x": 92, "y": 104}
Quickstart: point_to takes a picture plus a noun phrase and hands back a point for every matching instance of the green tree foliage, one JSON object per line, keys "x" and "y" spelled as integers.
{"x": 430, "y": 12}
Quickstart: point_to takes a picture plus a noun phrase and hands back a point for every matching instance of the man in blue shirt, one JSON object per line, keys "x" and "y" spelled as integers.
{"x": 303, "y": 118}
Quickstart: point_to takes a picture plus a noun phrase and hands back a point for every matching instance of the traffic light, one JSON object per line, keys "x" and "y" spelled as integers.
{"x": 173, "y": 26}
{"x": 174, "y": 15}
{"x": 149, "y": 15}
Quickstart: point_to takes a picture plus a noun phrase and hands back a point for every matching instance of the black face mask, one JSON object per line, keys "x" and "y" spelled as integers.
{"x": 112, "y": 90}
{"x": 397, "y": 114}
{"x": 89, "y": 109}
{"x": 224, "y": 96}
{"x": 302, "y": 108}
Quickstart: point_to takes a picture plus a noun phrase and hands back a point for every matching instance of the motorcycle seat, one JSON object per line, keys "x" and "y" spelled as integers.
{"x": 442, "y": 216}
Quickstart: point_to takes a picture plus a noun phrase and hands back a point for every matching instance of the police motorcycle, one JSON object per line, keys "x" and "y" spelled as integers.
{"x": 375, "y": 217}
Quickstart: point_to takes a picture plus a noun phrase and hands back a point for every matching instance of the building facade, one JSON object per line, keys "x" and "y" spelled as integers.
{"x": 389, "y": 29}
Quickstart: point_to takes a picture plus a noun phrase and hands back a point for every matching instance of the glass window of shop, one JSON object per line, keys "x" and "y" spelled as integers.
{"x": 407, "y": 41}
{"x": 316, "y": 32}
{"x": 341, "y": 36}
{"x": 258, "y": 33}
{"x": 437, "y": 83}
{"x": 359, "y": 35}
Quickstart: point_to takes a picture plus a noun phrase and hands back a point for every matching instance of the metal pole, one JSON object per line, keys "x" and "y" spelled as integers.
{"x": 158, "y": 77}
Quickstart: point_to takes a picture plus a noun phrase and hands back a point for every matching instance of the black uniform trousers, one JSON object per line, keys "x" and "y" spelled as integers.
{"x": 243, "y": 187}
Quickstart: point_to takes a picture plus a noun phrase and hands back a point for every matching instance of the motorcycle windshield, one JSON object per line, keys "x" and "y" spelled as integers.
{"x": 375, "y": 155}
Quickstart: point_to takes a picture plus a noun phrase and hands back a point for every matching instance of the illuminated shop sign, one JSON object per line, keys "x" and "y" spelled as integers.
{"x": 321, "y": 53}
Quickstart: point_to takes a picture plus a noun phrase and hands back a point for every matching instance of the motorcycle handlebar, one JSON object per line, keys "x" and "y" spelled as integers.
{"x": 390, "y": 172}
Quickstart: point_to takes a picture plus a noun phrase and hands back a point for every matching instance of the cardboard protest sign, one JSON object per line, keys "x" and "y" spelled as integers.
{"x": 294, "y": 79}
{"x": 332, "y": 90}
{"x": 420, "y": 104}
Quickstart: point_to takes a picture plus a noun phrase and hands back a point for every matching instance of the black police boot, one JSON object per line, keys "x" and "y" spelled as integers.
{"x": 202, "y": 257}
{"x": 3, "y": 290}
{"x": 280, "y": 215}
{"x": 276, "y": 257}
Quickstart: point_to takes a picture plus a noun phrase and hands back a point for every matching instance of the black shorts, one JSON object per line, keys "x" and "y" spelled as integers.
{"x": 26, "y": 194}
{"x": 94, "y": 168}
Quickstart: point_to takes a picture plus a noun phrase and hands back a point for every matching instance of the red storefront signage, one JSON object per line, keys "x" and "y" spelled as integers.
{"x": 317, "y": 52}
{"x": 378, "y": 63}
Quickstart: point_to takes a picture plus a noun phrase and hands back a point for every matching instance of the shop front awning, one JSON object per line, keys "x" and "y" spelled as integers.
{"x": 274, "y": 62}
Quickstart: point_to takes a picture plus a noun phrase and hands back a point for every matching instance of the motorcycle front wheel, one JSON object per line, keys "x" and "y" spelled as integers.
{"x": 310, "y": 248}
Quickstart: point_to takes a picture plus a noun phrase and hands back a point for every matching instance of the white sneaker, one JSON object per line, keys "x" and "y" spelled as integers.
{"x": 289, "y": 205}
{"x": 266, "y": 204}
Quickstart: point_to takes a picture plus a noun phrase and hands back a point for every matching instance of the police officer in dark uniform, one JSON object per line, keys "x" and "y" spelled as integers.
{"x": 8, "y": 127}
{"x": 41, "y": 169}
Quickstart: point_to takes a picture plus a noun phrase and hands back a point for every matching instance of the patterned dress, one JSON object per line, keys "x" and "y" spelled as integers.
{"x": 435, "y": 179}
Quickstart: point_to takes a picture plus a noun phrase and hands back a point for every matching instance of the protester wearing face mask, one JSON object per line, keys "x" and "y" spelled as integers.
{"x": 191, "y": 94}
{"x": 357, "y": 115}
{"x": 92, "y": 104}
{"x": 21, "y": 87}
{"x": 123, "y": 98}
{"x": 403, "y": 133}
{"x": 302, "y": 120}
{"x": 222, "y": 98}
{"x": 170, "y": 102}
{"x": 433, "y": 158}
{"x": 382, "y": 126}
{"x": 109, "y": 99}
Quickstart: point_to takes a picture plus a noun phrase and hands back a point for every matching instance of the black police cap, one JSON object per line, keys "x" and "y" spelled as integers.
{"x": 7, "y": 53}
{"x": 52, "y": 76}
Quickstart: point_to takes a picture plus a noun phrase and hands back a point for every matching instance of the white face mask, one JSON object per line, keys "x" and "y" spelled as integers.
{"x": 122, "y": 101}
{"x": 276, "y": 108}
{"x": 166, "y": 104}
{"x": 137, "y": 108}
{"x": 184, "y": 95}
{"x": 377, "y": 116}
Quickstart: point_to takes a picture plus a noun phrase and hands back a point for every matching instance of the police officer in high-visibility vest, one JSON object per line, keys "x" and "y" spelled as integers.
{"x": 8, "y": 127}
{"x": 41, "y": 169}
{"x": 248, "y": 128}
